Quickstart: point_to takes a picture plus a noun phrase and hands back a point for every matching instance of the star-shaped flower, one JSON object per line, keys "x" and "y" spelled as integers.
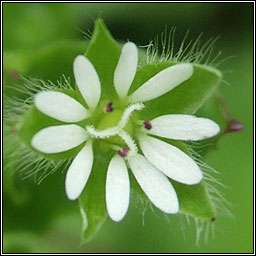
{"x": 159, "y": 160}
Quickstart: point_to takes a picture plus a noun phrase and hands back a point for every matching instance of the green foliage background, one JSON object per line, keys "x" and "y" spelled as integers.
{"x": 36, "y": 37}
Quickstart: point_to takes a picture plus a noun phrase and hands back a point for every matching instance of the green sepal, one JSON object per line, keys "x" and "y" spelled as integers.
{"x": 103, "y": 51}
{"x": 194, "y": 200}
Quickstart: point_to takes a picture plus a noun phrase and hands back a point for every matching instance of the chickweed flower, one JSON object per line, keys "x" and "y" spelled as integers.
{"x": 121, "y": 129}
{"x": 138, "y": 143}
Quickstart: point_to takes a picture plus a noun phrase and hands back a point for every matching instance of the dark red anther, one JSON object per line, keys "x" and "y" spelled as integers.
{"x": 147, "y": 125}
{"x": 123, "y": 153}
{"x": 213, "y": 219}
{"x": 234, "y": 126}
{"x": 109, "y": 107}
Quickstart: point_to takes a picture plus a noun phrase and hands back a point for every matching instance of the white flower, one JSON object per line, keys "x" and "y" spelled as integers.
{"x": 160, "y": 158}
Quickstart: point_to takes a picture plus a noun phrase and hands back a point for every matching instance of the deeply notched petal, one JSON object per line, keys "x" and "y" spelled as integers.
{"x": 87, "y": 80}
{"x": 117, "y": 189}
{"x": 126, "y": 69}
{"x": 60, "y": 138}
{"x": 154, "y": 183}
{"x": 79, "y": 172}
{"x": 60, "y": 106}
{"x": 173, "y": 162}
{"x": 162, "y": 82}
{"x": 183, "y": 127}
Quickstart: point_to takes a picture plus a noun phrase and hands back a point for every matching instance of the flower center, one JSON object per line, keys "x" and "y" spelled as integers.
{"x": 111, "y": 121}
{"x": 116, "y": 128}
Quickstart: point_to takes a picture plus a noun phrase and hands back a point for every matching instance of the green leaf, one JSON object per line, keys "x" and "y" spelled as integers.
{"x": 92, "y": 200}
{"x": 186, "y": 98}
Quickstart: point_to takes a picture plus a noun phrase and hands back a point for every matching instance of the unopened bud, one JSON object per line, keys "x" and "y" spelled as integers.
{"x": 234, "y": 126}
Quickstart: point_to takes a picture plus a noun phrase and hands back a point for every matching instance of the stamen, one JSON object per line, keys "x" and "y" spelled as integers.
{"x": 147, "y": 125}
{"x": 109, "y": 107}
{"x": 127, "y": 113}
{"x": 102, "y": 134}
{"x": 123, "y": 153}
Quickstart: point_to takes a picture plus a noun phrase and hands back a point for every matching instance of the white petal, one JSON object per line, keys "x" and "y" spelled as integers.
{"x": 155, "y": 185}
{"x": 117, "y": 189}
{"x": 60, "y": 106}
{"x": 173, "y": 162}
{"x": 162, "y": 82}
{"x": 87, "y": 80}
{"x": 183, "y": 127}
{"x": 126, "y": 69}
{"x": 60, "y": 138}
{"x": 79, "y": 172}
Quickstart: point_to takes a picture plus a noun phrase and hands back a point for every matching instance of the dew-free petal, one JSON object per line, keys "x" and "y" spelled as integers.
{"x": 60, "y": 138}
{"x": 126, "y": 69}
{"x": 162, "y": 82}
{"x": 87, "y": 81}
{"x": 117, "y": 188}
{"x": 156, "y": 186}
{"x": 60, "y": 106}
{"x": 79, "y": 172}
{"x": 173, "y": 162}
{"x": 183, "y": 127}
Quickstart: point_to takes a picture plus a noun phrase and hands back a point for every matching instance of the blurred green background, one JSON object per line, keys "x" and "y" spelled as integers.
{"x": 40, "y": 218}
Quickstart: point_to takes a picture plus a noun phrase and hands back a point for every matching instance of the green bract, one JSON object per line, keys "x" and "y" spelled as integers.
{"x": 104, "y": 53}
